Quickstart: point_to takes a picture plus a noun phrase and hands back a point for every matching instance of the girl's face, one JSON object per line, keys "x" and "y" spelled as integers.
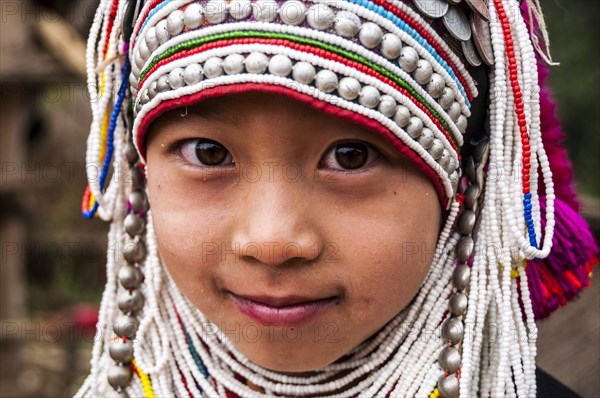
{"x": 297, "y": 233}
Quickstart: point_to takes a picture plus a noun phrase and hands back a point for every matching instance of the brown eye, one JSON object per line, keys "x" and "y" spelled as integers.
{"x": 349, "y": 156}
{"x": 352, "y": 156}
{"x": 204, "y": 152}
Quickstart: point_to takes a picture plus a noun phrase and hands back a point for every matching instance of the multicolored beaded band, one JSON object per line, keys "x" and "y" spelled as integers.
{"x": 379, "y": 59}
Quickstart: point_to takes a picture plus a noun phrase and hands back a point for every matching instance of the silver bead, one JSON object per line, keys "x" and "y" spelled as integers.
{"x": 126, "y": 326}
{"x": 448, "y": 386}
{"x": 346, "y": 23}
{"x": 451, "y": 165}
{"x": 449, "y": 359}
{"x": 265, "y": 10}
{"x": 153, "y": 90}
{"x": 452, "y": 330}
{"x": 256, "y": 62}
{"x": 130, "y": 277}
{"x": 138, "y": 201}
{"x": 176, "y": 78}
{"x": 454, "y": 111}
{"x": 233, "y": 64}
{"x": 151, "y": 40}
{"x": 134, "y": 225}
{"x": 436, "y": 149}
{"x": 144, "y": 98}
{"x": 469, "y": 168}
{"x": 326, "y": 80}
{"x": 369, "y": 97}
{"x": 162, "y": 84}
{"x": 461, "y": 123}
{"x": 408, "y": 59}
{"x": 387, "y": 105}
{"x": 130, "y": 300}
{"x": 391, "y": 46}
{"x": 213, "y": 67}
{"x": 304, "y": 73}
{"x": 444, "y": 159}
{"x": 240, "y": 9}
{"x": 139, "y": 61}
{"x": 461, "y": 276}
{"x": 426, "y": 138}
{"x": 370, "y": 35}
{"x": 131, "y": 154}
{"x": 436, "y": 85}
{"x": 464, "y": 248}
{"x": 144, "y": 50}
{"x": 447, "y": 98}
{"x": 292, "y": 12}
{"x": 193, "y": 17}
{"x": 175, "y": 22}
{"x": 415, "y": 128}
{"x": 466, "y": 222}
{"x": 121, "y": 351}
{"x": 134, "y": 251}
{"x": 280, "y": 65}
{"x": 349, "y": 88}
{"x": 423, "y": 72}
{"x": 471, "y": 195}
{"x": 320, "y": 16}
{"x": 458, "y": 304}
{"x": 192, "y": 74}
{"x": 402, "y": 117}
{"x": 216, "y": 11}
{"x": 119, "y": 376}
{"x": 162, "y": 32}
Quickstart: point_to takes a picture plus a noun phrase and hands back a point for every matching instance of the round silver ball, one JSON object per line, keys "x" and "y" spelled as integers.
{"x": 347, "y": 24}
{"x": 449, "y": 359}
{"x": 292, "y": 12}
{"x": 256, "y": 62}
{"x": 424, "y": 71}
{"x": 130, "y": 300}
{"x": 391, "y": 46}
{"x": 121, "y": 351}
{"x": 138, "y": 201}
{"x": 466, "y": 222}
{"x": 130, "y": 277}
{"x": 458, "y": 304}
{"x": 304, "y": 73}
{"x": 126, "y": 326}
{"x": 119, "y": 376}
{"x": 408, "y": 59}
{"x": 320, "y": 16}
{"x": 465, "y": 248}
{"x": 280, "y": 65}
{"x": 402, "y": 117}
{"x": 193, "y": 16}
{"x": 461, "y": 276}
{"x": 175, "y": 22}
{"x": 370, "y": 35}
{"x": 327, "y": 81}
{"x": 233, "y": 64}
{"x": 131, "y": 154}
{"x": 134, "y": 251}
{"x": 134, "y": 225}
{"x": 471, "y": 195}
{"x": 453, "y": 330}
{"x": 448, "y": 386}
{"x": 349, "y": 88}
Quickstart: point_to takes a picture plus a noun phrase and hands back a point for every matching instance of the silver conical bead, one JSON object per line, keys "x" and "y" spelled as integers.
{"x": 119, "y": 376}
{"x": 121, "y": 351}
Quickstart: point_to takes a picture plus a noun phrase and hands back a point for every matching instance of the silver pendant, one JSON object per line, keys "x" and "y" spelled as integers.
{"x": 482, "y": 38}
{"x": 471, "y": 52}
{"x": 479, "y": 7}
{"x": 432, "y": 8}
{"x": 457, "y": 24}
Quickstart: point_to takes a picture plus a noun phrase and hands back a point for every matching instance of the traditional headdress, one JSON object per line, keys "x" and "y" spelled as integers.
{"x": 453, "y": 85}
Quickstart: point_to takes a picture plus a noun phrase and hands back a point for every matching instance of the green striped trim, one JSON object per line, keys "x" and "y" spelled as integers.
{"x": 193, "y": 43}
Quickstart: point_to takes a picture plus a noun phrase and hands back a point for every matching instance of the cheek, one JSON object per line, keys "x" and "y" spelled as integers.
{"x": 387, "y": 250}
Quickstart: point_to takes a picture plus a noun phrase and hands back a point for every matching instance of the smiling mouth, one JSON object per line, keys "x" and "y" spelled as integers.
{"x": 282, "y": 310}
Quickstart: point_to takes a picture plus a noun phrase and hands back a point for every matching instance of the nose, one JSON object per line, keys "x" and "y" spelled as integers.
{"x": 276, "y": 225}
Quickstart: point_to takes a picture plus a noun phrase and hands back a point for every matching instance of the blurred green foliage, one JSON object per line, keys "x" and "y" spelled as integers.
{"x": 574, "y": 29}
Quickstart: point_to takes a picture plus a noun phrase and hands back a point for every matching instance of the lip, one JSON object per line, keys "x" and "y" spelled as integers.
{"x": 284, "y": 310}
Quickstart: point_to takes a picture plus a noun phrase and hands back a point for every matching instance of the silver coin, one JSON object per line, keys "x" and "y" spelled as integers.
{"x": 471, "y": 52}
{"x": 482, "y": 38}
{"x": 432, "y": 8}
{"x": 480, "y": 7}
{"x": 457, "y": 24}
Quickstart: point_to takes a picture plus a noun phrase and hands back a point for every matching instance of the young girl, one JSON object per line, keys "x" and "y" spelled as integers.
{"x": 326, "y": 198}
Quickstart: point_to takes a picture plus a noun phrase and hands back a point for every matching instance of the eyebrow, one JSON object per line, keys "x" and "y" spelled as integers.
{"x": 214, "y": 113}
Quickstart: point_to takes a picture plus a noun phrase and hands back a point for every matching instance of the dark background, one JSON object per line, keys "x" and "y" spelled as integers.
{"x": 52, "y": 260}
